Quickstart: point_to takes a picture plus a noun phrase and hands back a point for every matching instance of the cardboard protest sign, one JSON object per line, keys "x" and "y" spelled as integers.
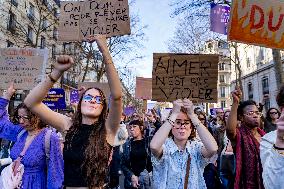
{"x": 143, "y": 88}
{"x": 78, "y": 20}
{"x": 24, "y": 67}
{"x": 178, "y": 76}
{"x": 55, "y": 99}
{"x": 103, "y": 86}
{"x": 257, "y": 22}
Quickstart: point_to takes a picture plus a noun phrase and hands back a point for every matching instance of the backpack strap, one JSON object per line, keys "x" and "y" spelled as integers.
{"x": 47, "y": 145}
{"x": 20, "y": 134}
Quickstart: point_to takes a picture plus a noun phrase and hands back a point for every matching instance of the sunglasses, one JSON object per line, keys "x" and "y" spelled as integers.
{"x": 26, "y": 118}
{"x": 273, "y": 113}
{"x": 97, "y": 99}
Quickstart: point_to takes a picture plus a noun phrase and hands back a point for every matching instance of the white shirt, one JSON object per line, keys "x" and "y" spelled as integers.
{"x": 169, "y": 171}
{"x": 272, "y": 163}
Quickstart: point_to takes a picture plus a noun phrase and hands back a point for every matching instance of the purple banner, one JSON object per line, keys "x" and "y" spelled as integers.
{"x": 219, "y": 18}
{"x": 128, "y": 111}
{"x": 74, "y": 96}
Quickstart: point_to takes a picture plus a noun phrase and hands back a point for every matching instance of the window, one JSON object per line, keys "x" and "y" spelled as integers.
{"x": 222, "y": 66}
{"x": 223, "y": 44}
{"x": 250, "y": 91}
{"x": 265, "y": 86}
{"x": 266, "y": 103}
{"x": 31, "y": 13}
{"x": 223, "y": 92}
{"x": 223, "y": 104}
{"x": 14, "y": 2}
{"x": 261, "y": 53}
{"x": 9, "y": 44}
{"x": 248, "y": 62}
{"x": 53, "y": 51}
{"x": 42, "y": 42}
{"x": 221, "y": 78}
{"x": 55, "y": 33}
{"x": 44, "y": 24}
{"x": 30, "y": 35}
{"x": 56, "y": 13}
{"x": 12, "y": 22}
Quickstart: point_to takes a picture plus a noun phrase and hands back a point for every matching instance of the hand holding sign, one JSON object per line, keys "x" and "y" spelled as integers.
{"x": 177, "y": 105}
{"x": 101, "y": 42}
{"x": 10, "y": 91}
{"x": 63, "y": 63}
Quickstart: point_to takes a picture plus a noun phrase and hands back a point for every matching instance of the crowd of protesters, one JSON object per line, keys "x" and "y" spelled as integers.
{"x": 97, "y": 145}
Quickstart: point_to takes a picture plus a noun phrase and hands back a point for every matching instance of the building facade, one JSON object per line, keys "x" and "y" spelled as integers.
{"x": 224, "y": 71}
{"x": 257, "y": 74}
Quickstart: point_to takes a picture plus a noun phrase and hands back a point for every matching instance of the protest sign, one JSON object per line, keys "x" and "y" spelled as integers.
{"x": 24, "y": 67}
{"x": 74, "y": 96}
{"x": 178, "y": 76}
{"x": 143, "y": 88}
{"x": 55, "y": 99}
{"x": 258, "y": 22}
{"x": 78, "y": 20}
{"x": 219, "y": 18}
{"x": 103, "y": 86}
{"x": 128, "y": 111}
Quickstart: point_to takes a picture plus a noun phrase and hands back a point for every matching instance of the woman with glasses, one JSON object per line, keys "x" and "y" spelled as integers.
{"x": 136, "y": 159}
{"x": 26, "y": 129}
{"x": 178, "y": 159}
{"x": 272, "y": 116}
{"x": 90, "y": 134}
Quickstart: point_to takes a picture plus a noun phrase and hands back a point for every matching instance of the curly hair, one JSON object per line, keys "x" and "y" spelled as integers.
{"x": 34, "y": 120}
{"x": 193, "y": 129}
{"x": 98, "y": 150}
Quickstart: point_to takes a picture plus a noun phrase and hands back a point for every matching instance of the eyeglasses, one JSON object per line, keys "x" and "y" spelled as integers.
{"x": 179, "y": 123}
{"x": 25, "y": 118}
{"x": 89, "y": 98}
{"x": 135, "y": 115}
{"x": 132, "y": 126}
{"x": 273, "y": 113}
{"x": 252, "y": 113}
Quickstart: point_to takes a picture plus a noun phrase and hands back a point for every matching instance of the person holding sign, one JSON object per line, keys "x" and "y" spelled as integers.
{"x": 272, "y": 151}
{"x": 90, "y": 134}
{"x": 36, "y": 153}
{"x": 179, "y": 160}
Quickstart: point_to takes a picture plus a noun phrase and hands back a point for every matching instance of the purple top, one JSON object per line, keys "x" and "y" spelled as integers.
{"x": 38, "y": 173}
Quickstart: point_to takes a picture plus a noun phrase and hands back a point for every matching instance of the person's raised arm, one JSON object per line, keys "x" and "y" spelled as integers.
{"x": 34, "y": 99}
{"x": 115, "y": 110}
{"x": 232, "y": 123}
{"x": 162, "y": 134}
{"x": 210, "y": 146}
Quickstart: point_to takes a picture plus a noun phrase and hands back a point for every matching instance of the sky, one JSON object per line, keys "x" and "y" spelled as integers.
{"x": 161, "y": 27}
